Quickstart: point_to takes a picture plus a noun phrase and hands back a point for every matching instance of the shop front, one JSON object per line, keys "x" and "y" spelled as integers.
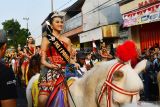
{"x": 149, "y": 35}
{"x": 144, "y": 22}
{"x": 107, "y": 33}
{"x": 111, "y": 34}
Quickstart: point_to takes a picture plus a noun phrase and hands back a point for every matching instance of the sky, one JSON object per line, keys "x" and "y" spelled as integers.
{"x": 35, "y": 10}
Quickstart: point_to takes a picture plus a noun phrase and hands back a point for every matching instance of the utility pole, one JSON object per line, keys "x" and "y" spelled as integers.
{"x": 51, "y": 5}
{"x": 26, "y": 18}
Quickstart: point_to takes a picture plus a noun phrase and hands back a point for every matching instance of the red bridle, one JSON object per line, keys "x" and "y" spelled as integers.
{"x": 109, "y": 86}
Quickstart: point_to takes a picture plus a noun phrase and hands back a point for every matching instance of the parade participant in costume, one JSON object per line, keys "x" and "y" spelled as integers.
{"x": 105, "y": 53}
{"x": 29, "y": 51}
{"x": 7, "y": 79}
{"x": 55, "y": 54}
{"x": 88, "y": 61}
{"x": 19, "y": 59}
{"x": 32, "y": 90}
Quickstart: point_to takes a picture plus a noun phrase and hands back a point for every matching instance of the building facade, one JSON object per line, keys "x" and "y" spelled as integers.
{"x": 142, "y": 18}
{"x": 73, "y": 23}
{"x": 99, "y": 22}
{"x": 89, "y": 20}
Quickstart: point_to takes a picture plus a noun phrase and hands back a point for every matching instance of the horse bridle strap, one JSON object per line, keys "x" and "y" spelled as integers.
{"x": 109, "y": 86}
{"x": 120, "y": 90}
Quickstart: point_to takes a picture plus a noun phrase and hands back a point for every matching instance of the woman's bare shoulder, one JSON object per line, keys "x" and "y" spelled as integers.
{"x": 67, "y": 40}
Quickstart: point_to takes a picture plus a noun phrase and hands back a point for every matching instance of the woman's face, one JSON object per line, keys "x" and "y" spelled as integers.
{"x": 57, "y": 24}
{"x": 19, "y": 48}
{"x": 30, "y": 40}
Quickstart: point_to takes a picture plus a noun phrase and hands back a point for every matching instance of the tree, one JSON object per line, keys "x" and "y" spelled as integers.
{"x": 15, "y": 33}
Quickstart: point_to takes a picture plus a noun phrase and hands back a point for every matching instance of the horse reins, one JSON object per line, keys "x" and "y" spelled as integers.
{"x": 108, "y": 86}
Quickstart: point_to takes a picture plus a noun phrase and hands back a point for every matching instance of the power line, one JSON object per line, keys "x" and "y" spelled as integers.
{"x": 56, "y": 10}
{"x": 98, "y": 8}
{"x": 95, "y": 9}
{"x": 64, "y": 5}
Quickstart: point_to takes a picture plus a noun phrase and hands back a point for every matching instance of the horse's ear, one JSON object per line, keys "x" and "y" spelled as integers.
{"x": 140, "y": 66}
{"x": 118, "y": 75}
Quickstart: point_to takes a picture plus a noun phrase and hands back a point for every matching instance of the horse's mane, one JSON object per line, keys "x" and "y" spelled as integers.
{"x": 96, "y": 75}
{"x": 98, "y": 71}
{"x": 89, "y": 85}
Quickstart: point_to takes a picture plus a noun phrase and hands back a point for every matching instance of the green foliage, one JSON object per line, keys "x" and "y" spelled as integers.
{"x": 16, "y": 34}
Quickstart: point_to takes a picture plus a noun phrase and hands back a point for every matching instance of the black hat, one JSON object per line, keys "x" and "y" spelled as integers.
{"x": 87, "y": 52}
{"x": 81, "y": 55}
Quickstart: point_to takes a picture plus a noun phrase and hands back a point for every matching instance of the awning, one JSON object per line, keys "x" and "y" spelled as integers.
{"x": 88, "y": 36}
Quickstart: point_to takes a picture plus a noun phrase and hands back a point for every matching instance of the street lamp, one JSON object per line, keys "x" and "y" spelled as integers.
{"x": 26, "y": 18}
{"x": 51, "y": 5}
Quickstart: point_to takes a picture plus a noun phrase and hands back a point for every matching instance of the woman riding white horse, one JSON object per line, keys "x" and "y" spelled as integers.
{"x": 109, "y": 83}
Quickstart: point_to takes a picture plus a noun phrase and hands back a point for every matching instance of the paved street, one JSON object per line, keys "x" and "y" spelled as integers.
{"x": 21, "y": 101}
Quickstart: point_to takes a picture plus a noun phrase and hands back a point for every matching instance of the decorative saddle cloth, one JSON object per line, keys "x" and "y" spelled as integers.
{"x": 59, "y": 96}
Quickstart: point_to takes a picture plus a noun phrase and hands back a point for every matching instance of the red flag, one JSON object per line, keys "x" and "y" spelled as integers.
{"x": 94, "y": 46}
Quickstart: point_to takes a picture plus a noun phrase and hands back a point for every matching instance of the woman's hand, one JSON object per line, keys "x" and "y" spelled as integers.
{"x": 77, "y": 65}
{"x": 56, "y": 66}
{"x": 88, "y": 66}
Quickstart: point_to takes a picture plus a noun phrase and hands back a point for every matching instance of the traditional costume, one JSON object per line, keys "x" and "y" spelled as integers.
{"x": 53, "y": 81}
{"x": 30, "y": 52}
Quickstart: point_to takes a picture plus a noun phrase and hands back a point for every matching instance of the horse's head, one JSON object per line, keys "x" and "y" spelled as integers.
{"x": 127, "y": 79}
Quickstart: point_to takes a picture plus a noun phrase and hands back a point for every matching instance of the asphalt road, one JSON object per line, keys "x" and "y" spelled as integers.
{"x": 21, "y": 100}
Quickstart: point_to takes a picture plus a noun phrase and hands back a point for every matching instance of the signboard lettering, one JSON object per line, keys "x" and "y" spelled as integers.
{"x": 147, "y": 2}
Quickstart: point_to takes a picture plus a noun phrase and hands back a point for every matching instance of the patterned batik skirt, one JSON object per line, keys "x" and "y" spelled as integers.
{"x": 50, "y": 80}
{"x": 54, "y": 83}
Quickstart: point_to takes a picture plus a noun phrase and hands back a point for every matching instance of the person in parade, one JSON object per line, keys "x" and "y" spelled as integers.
{"x": 29, "y": 51}
{"x": 32, "y": 90}
{"x": 56, "y": 53}
{"x": 8, "y": 93}
{"x": 105, "y": 53}
{"x": 19, "y": 61}
{"x": 88, "y": 61}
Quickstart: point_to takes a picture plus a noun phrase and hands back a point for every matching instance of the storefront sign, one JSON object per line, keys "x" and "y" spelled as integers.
{"x": 91, "y": 35}
{"x": 111, "y": 30}
{"x": 147, "y": 2}
{"x": 141, "y": 16}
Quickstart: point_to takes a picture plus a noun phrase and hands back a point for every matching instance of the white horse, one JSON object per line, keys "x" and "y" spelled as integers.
{"x": 85, "y": 91}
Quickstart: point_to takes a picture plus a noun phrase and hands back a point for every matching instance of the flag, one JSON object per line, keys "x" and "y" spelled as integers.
{"x": 94, "y": 46}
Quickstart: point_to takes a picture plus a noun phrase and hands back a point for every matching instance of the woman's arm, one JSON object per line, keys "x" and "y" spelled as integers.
{"x": 25, "y": 53}
{"x": 102, "y": 54}
{"x": 72, "y": 54}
